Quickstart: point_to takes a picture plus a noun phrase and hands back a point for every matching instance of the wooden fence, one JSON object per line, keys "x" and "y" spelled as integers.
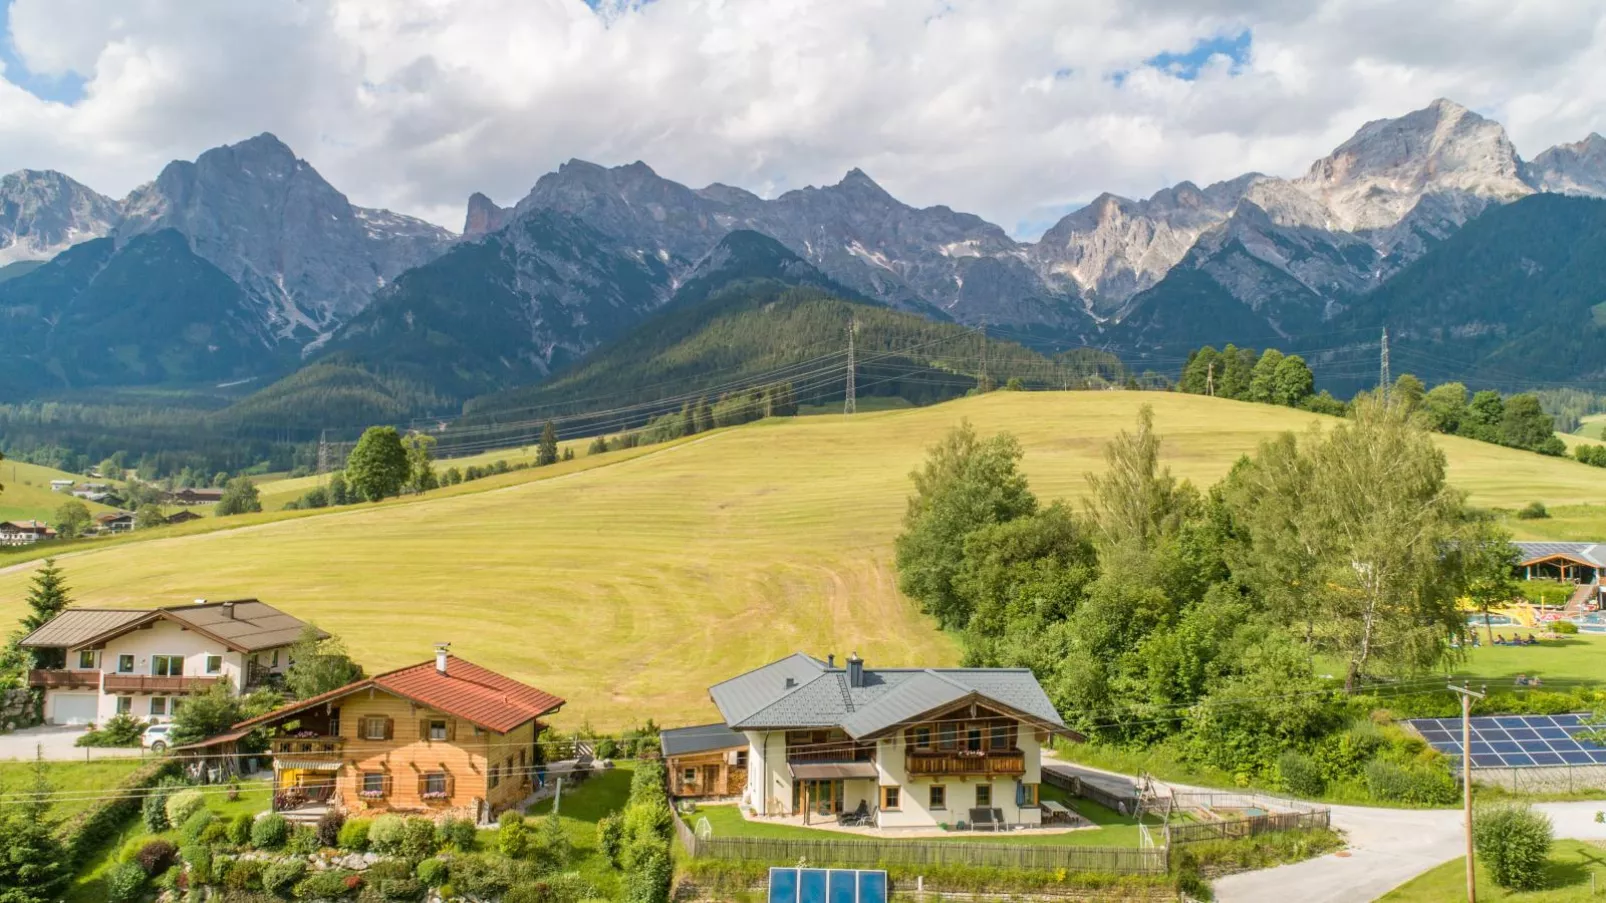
{"x": 879, "y": 853}
{"x": 1271, "y": 814}
{"x": 1091, "y": 792}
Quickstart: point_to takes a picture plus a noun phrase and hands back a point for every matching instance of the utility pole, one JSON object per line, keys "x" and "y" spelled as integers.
{"x": 323, "y": 452}
{"x": 1210, "y": 380}
{"x": 985, "y": 386}
{"x": 850, "y": 400}
{"x": 1467, "y": 694}
{"x": 1383, "y": 380}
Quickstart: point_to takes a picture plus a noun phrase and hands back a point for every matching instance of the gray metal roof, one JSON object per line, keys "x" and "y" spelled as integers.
{"x": 76, "y": 625}
{"x": 760, "y": 699}
{"x": 1590, "y": 552}
{"x": 685, "y": 741}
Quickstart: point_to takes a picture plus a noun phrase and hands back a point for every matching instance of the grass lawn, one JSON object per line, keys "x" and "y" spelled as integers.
{"x": 74, "y": 782}
{"x": 605, "y": 793}
{"x": 1592, "y": 427}
{"x": 1114, "y": 830}
{"x": 27, "y": 494}
{"x": 1571, "y": 864}
{"x": 630, "y": 582}
{"x": 90, "y": 886}
{"x": 1566, "y": 661}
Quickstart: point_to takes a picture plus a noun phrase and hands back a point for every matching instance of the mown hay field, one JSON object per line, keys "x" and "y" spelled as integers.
{"x": 27, "y": 494}
{"x": 629, "y": 582}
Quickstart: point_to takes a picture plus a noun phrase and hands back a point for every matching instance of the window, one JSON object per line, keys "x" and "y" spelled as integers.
{"x": 373, "y": 783}
{"x": 947, "y": 736}
{"x": 158, "y": 705}
{"x": 86, "y": 659}
{"x": 125, "y": 664}
{"x": 376, "y": 728}
{"x": 173, "y": 704}
{"x": 984, "y": 795}
{"x": 741, "y": 758}
{"x": 214, "y": 664}
{"x": 1027, "y": 796}
{"x": 973, "y": 739}
{"x": 1000, "y": 737}
{"x": 437, "y": 730}
{"x": 125, "y": 705}
{"x": 939, "y": 796}
{"x": 922, "y": 738}
{"x": 435, "y": 784}
{"x": 688, "y": 775}
{"x": 495, "y": 776}
{"x": 167, "y": 665}
{"x": 889, "y": 798}
{"x": 275, "y": 658}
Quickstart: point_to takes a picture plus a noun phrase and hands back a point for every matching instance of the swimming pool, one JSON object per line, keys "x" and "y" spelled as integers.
{"x": 1494, "y": 621}
{"x": 1594, "y": 622}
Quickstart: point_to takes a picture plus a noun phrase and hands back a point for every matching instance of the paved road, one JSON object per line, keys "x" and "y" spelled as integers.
{"x": 1387, "y": 847}
{"x": 56, "y": 743}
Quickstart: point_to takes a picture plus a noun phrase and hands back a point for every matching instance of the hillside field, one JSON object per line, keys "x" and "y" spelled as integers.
{"x": 27, "y": 494}
{"x": 629, "y": 582}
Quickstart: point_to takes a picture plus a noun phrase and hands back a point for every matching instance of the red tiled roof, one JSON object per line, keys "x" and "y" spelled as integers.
{"x": 465, "y": 691}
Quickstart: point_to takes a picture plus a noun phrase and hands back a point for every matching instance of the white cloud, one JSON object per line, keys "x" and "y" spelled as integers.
{"x": 1012, "y": 110}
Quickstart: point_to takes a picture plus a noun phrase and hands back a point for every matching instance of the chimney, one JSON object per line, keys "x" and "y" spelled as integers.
{"x": 790, "y": 683}
{"x": 228, "y": 610}
{"x": 440, "y": 656}
{"x": 855, "y": 670}
{"x": 830, "y": 660}
{"x": 200, "y": 601}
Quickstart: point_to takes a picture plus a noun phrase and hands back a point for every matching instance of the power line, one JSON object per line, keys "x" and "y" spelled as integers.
{"x": 850, "y": 402}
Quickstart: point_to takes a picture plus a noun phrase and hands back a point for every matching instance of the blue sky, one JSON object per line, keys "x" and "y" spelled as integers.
{"x": 1187, "y": 65}
{"x": 66, "y": 89}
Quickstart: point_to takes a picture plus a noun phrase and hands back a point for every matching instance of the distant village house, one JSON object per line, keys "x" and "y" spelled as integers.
{"x": 23, "y": 532}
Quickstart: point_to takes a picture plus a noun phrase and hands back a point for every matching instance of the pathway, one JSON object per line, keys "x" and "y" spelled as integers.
{"x": 1387, "y": 847}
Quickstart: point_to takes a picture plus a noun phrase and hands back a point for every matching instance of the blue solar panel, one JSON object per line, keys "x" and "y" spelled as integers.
{"x": 1518, "y": 741}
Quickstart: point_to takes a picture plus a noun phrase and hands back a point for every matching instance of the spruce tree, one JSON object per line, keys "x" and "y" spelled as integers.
{"x": 547, "y": 453}
{"x": 688, "y": 421}
{"x": 33, "y": 861}
{"x": 704, "y": 416}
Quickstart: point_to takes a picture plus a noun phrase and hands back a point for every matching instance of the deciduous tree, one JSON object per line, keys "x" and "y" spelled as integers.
{"x": 72, "y": 519}
{"x": 377, "y": 467}
{"x": 240, "y": 496}
{"x": 420, "y": 462}
{"x": 319, "y": 664}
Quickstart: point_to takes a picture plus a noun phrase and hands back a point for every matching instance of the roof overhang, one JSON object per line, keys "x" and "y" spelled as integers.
{"x": 977, "y": 698}
{"x": 151, "y": 618}
{"x": 833, "y": 771}
{"x": 1557, "y": 556}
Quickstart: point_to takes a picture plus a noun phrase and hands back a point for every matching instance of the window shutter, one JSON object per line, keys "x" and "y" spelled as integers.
{"x": 390, "y": 728}
{"x": 1020, "y": 794}
{"x": 451, "y": 729}
{"x": 362, "y": 728}
{"x": 451, "y": 785}
{"x": 423, "y": 729}
{"x": 389, "y": 783}
{"x": 421, "y": 786}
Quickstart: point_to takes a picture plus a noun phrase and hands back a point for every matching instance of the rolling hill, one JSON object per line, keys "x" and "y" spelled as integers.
{"x": 27, "y": 493}
{"x": 629, "y": 582}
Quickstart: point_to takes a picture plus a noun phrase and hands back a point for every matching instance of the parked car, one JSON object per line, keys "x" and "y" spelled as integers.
{"x": 155, "y": 738}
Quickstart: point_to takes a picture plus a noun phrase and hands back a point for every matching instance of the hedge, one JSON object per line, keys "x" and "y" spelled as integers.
{"x": 89, "y": 831}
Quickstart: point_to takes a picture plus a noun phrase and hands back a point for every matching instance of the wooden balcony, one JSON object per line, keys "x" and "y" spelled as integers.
{"x": 832, "y": 752}
{"x": 996, "y": 762}
{"x": 318, "y": 748}
{"x": 140, "y": 683}
{"x": 63, "y": 679}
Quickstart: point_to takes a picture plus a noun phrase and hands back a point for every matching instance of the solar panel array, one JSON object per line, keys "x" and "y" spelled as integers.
{"x": 1517, "y": 741}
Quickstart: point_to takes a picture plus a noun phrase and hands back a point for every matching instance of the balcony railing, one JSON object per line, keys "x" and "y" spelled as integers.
{"x": 139, "y": 683}
{"x": 959, "y": 762}
{"x": 63, "y": 679}
{"x": 307, "y": 747}
{"x": 831, "y": 752}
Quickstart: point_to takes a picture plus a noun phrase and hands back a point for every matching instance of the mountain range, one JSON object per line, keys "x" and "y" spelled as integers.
{"x": 247, "y": 263}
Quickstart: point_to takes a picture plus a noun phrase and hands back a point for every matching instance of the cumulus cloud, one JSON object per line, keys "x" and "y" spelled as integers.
{"x": 1013, "y": 109}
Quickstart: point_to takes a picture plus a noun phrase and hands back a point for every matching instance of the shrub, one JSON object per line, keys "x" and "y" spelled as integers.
{"x": 459, "y": 833}
{"x": 282, "y": 877}
{"x": 153, "y": 812}
{"x": 1566, "y": 627}
{"x": 610, "y": 838}
{"x": 418, "y": 839}
{"x": 196, "y": 825}
{"x": 94, "y": 828}
{"x": 647, "y": 783}
{"x": 1533, "y": 511}
{"x": 303, "y": 840}
{"x": 1513, "y": 841}
{"x": 385, "y": 834}
{"x": 119, "y": 730}
{"x": 480, "y": 876}
{"x": 354, "y": 835}
{"x": 240, "y": 829}
{"x": 199, "y": 859}
{"x": 1420, "y": 784}
{"x": 552, "y": 847}
{"x": 125, "y": 883}
{"x": 512, "y": 835}
{"x": 180, "y": 806}
{"x": 244, "y": 875}
{"x": 647, "y": 822}
{"x": 1300, "y": 775}
{"x": 566, "y": 888}
{"x": 329, "y": 825}
{"x": 648, "y": 879}
{"x": 269, "y": 832}
{"x": 216, "y": 832}
{"x": 155, "y": 857}
{"x": 433, "y": 872}
{"x": 333, "y": 884}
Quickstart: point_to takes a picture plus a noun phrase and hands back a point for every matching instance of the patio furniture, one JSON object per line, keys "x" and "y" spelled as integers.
{"x": 858, "y": 818}
{"x": 982, "y": 820}
{"x": 1055, "y": 813}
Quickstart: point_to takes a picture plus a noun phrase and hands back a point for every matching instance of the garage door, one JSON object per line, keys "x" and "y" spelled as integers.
{"x": 73, "y": 708}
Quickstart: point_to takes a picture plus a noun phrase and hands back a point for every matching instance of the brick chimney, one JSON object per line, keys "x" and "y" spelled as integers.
{"x": 440, "y": 656}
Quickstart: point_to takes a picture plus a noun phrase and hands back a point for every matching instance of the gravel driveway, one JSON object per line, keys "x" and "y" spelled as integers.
{"x": 56, "y": 742}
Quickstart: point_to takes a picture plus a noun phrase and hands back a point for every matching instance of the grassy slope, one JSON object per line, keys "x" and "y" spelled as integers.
{"x": 629, "y": 589}
{"x": 70, "y": 780}
{"x": 1568, "y": 872}
{"x": 1592, "y": 427}
{"x": 27, "y": 491}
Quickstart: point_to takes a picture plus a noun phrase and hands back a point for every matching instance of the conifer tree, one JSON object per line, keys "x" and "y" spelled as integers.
{"x": 547, "y": 453}
{"x": 704, "y": 415}
{"x": 47, "y": 597}
{"x": 33, "y": 861}
{"x": 688, "y": 420}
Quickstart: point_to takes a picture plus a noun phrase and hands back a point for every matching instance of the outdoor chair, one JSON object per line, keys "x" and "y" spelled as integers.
{"x": 858, "y": 818}
{"x": 982, "y": 820}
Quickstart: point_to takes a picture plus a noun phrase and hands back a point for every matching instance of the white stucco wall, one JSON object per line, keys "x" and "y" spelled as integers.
{"x": 162, "y": 638}
{"x": 914, "y": 809}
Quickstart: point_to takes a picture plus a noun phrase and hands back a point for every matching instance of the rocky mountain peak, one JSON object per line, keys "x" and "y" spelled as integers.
{"x": 1578, "y": 168}
{"x": 484, "y": 216}
{"x": 1373, "y": 180}
{"x": 43, "y": 212}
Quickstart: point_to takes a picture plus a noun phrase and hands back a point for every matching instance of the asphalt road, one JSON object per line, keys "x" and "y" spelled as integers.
{"x": 56, "y": 744}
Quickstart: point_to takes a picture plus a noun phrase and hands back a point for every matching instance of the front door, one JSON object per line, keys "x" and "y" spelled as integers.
{"x": 824, "y": 797}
